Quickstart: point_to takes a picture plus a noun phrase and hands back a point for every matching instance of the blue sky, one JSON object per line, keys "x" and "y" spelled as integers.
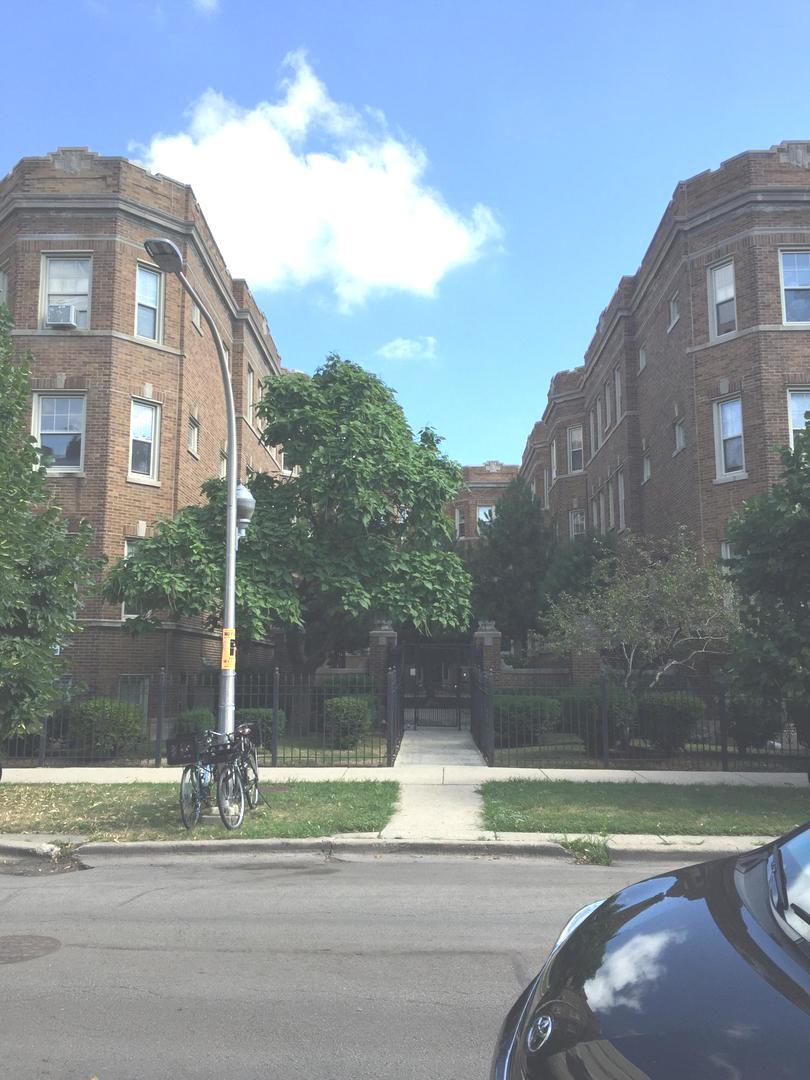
{"x": 446, "y": 192}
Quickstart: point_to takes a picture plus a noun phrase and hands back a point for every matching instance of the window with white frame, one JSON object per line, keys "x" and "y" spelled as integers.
{"x": 674, "y": 310}
{"x": 608, "y": 406}
{"x": 592, "y": 424}
{"x": 193, "y": 437}
{"x": 728, "y": 438}
{"x": 576, "y": 523}
{"x": 553, "y": 460}
{"x": 594, "y": 514}
{"x": 723, "y": 299}
{"x": 642, "y": 358}
{"x": 600, "y": 431}
{"x": 134, "y": 689}
{"x": 3, "y": 287}
{"x": 546, "y": 486}
{"x": 620, "y": 486}
{"x": 58, "y": 426}
{"x": 196, "y": 317}
{"x": 679, "y": 430}
{"x": 727, "y": 551}
{"x": 799, "y": 404}
{"x": 67, "y": 284}
{"x": 143, "y": 440}
{"x": 223, "y": 464}
{"x": 617, "y": 390}
{"x": 575, "y": 448}
{"x": 227, "y": 352}
{"x": 486, "y": 515}
{"x": 460, "y": 522}
{"x": 533, "y": 488}
{"x": 602, "y": 518}
{"x": 646, "y": 468}
{"x": 251, "y": 394}
{"x": 610, "y": 505}
{"x": 147, "y": 303}
{"x": 796, "y": 285}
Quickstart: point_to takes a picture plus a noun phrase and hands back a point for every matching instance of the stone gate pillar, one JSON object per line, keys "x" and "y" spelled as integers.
{"x": 487, "y": 646}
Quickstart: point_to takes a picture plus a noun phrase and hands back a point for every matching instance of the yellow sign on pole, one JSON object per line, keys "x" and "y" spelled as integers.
{"x": 228, "y": 649}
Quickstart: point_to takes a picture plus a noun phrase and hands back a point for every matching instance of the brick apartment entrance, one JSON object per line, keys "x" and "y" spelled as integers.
{"x": 435, "y": 681}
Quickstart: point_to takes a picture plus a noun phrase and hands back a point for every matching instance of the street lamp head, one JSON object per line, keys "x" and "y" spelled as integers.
{"x": 165, "y": 254}
{"x": 245, "y": 505}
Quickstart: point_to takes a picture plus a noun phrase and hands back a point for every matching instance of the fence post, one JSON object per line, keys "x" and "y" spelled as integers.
{"x": 389, "y": 714}
{"x": 274, "y": 728}
{"x": 161, "y": 718}
{"x": 721, "y": 709}
{"x": 603, "y": 715}
{"x": 489, "y": 720}
{"x": 43, "y": 741}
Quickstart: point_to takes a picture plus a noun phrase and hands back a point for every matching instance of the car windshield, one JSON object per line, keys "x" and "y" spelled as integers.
{"x": 793, "y": 865}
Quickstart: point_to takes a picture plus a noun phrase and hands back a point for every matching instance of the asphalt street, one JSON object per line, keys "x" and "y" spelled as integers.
{"x": 206, "y": 967}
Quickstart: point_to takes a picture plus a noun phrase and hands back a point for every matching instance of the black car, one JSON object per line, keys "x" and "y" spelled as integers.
{"x": 696, "y": 974}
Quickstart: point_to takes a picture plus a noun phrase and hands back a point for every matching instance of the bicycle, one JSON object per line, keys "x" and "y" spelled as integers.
{"x": 228, "y": 761}
{"x": 238, "y": 782}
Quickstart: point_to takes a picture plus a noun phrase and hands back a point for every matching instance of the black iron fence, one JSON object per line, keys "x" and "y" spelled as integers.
{"x": 668, "y": 727}
{"x": 327, "y": 719}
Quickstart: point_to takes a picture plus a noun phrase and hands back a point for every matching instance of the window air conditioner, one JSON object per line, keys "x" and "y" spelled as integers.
{"x": 62, "y": 316}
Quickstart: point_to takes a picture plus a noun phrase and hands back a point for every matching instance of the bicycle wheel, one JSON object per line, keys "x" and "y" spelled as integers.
{"x": 230, "y": 797}
{"x": 190, "y": 803}
{"x": 250, "y": 778}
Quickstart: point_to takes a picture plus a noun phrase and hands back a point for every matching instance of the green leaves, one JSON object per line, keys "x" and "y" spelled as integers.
{"x": 43, "y": 564}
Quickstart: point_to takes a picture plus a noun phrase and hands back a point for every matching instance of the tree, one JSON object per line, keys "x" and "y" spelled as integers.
{"x": 771, "y": 567}
{"x": 509, "y": 562}
{"x": 571, "y": 565}
{"x": 656, "y": 607}
{"x": 43, "y": 564}
{"x": 357, "y": 532}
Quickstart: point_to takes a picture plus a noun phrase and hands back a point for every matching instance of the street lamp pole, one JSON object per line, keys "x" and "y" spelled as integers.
{"x": 168, "y": 257}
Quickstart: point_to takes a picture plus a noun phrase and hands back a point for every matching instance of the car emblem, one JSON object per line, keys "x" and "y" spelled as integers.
{"x": 539, "y": 1033}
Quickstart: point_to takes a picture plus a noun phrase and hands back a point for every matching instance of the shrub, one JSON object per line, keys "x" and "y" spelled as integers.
{"x": 104, "y": 726}
{"x": 751, "y": 723}
{"x": 263, "y": 719}
{"x": 347, "y": 720}
{"x": 667, "y": 718}
{"x": 582, "y": 713}
{"x": 198, "y": 719}
{"x": 520, "y": 719}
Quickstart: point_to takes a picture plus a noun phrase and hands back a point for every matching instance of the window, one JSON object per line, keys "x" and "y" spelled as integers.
{"x": 196, "y": 317}
{"x": 726, "y": 551}
{"x": 576, "y": 523}
{"x": 679, "y": 429}
{"x": 59, "y": 428}
{"x": 620, "y": 483}
{"x": 143, "y": 450}
{"x": 608, "y": 404}
{"x": 646, "y": 468}
{"x": 600, "y": 431}
{"x": 594, "y": 514}
{"x": 134, "y": 689}
{"x": 642, "y": 358}
{"x": 728, "y": 438}
{"x": 799, "y": 403}
{"x": 602, "y": 519}
{"x": 194, "y": 435}
{"x": 796, "y": 285}
{"x": 486, "y": 515}
{"x": 67, "y": 282}
{"x": 553, "y": 461}
{"x": 129, "y": 549}
{"x": 223, "y": 464}
{"x": 250, "y": 396}
{"x": 546, "y": 486}
{"x": 575, "y": 448}
{"x": 674, "y": 311}
{"x": 3, "y": 287}
{"x": 227, "y": 352}
{"x": 617, "y": 388}
{"x": 533, "y": 488}
{"x": 723, "y": 301}
{"x": 147, "y": 304}
{"x": 611, "y": 516}
{"x": 460, "y": 523}
{"x": 592, "y": 423}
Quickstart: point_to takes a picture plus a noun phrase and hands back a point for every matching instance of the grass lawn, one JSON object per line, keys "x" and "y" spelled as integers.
{"x": 151, "y": 811}
{"x": 563, "y": 806}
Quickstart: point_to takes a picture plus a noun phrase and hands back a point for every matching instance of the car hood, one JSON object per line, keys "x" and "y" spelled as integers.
{"x": 675, "y": 977}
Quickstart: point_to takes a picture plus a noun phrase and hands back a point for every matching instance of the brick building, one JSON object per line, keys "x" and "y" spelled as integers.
{"x": 478, "y": 496}
{"x": 699, "y": 367}
{"x": 127, "y": 392}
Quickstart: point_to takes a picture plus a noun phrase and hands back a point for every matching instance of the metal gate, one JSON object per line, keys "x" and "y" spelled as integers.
{"x": 435, "y": 681}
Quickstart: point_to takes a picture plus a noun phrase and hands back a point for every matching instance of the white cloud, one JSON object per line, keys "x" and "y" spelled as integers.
{"x": 308, "y": 189}
{"x": 206, "y": 7}
{"x": 423, "y": 348}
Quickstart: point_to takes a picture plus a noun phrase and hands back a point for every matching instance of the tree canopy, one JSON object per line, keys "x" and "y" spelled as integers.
{"x": 509, "y": 562}
{"x": 654, "y": 607}
{"x": 43, "y": 564}
{"x": 771, "y": 567}
{"x": 356, "y": 531}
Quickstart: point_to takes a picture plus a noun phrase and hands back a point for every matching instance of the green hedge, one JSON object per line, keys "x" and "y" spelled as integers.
{"x": 751, "y": 723}
{"x": 347, "y": 720}
{"x": 667, "y": 718}
{"x": 520, "y": 719}
{"x": 263, "y": 718}
{"x": 104, "y": 726}
{"x": 191, "y": 720}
